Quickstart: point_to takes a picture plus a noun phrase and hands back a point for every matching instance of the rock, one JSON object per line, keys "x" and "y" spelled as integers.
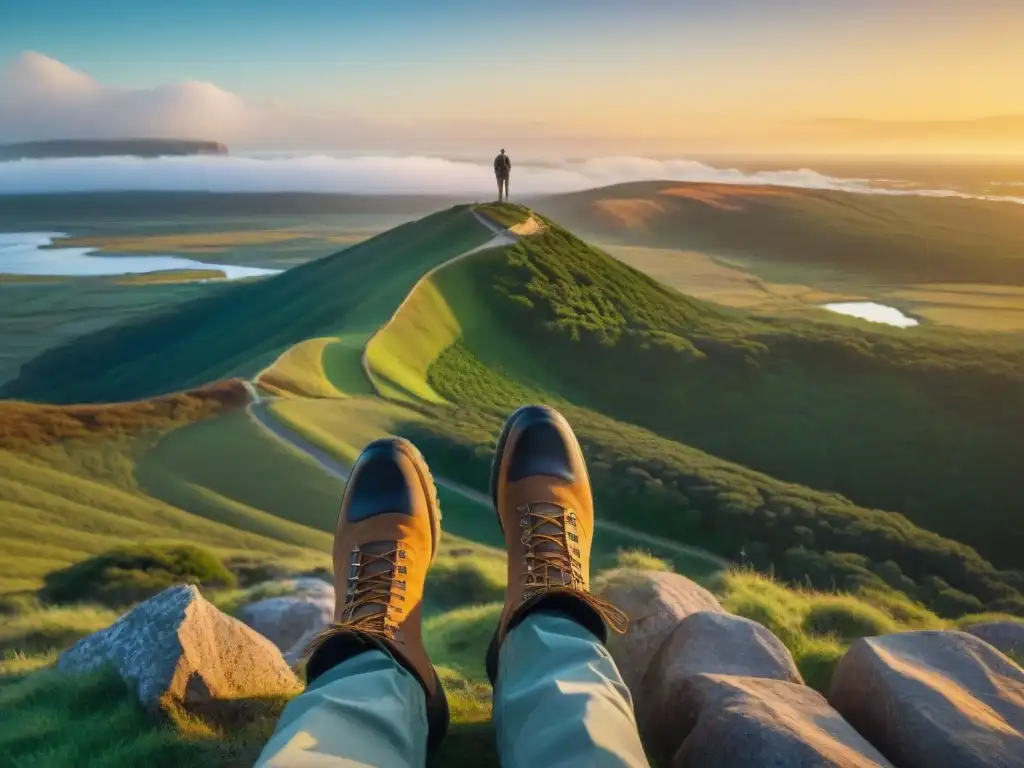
{"x": 731, "y": 721}
{"x": 284, "y": 620}
{"x": 655, "y": 601}
{"x": 178, "y": 647}
{"x": 705, "y": 643}
{"x": 935, "y": 699}
{"x": 1007, "y": 636}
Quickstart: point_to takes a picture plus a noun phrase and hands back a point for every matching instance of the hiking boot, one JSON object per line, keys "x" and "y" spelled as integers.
{"x": 388, "y": 534}
{"x": 541, "y": 492}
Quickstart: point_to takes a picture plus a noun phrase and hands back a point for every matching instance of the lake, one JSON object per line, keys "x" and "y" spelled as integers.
{"x": 873, "y": 312}
{"x": 26, "y": 253}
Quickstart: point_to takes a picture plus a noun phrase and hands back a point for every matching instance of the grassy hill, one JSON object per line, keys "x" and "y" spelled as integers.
{"x": 673, "y": 395}
{"x": 245, "y": 327}
{"x": 885, "y": 238}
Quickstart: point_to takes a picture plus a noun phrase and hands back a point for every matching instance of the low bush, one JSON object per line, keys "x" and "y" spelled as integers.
{"x": 135, "y": 572}
{"x": 847, "y": 618}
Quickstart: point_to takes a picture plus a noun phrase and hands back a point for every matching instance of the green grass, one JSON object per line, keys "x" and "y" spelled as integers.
{"x": 77, "y": 482}
{"x": 37, "y": 314}
{"x": 504, "y": 214}
{"x": 816, "y": 627}
{"x": 245, "y": 326}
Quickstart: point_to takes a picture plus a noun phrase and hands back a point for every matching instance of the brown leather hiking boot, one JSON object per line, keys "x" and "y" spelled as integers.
{"x": 388, "y": 533}
{"x": 541, "y": 492}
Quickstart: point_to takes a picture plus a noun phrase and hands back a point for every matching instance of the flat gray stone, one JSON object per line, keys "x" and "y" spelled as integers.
{"x": 934, "y": 700}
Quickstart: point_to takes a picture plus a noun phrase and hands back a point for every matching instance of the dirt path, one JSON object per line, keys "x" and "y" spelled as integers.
{"x": 261, "y": 415}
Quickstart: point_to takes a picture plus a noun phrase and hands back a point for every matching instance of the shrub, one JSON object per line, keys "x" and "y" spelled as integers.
{"x": 136, "y": 572}
{"x": 847, "y": 618}
{"x": 911, "y": 614}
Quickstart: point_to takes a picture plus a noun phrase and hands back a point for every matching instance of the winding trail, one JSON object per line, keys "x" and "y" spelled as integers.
{"x": 260, "y": 413}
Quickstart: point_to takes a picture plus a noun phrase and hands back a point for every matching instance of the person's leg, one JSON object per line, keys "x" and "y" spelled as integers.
{"x": 559, "y": 699}
{"x": 506, "y": 189}
{"x": 500, "y": 187}
{"x": 366, "y": 711}
{"x": 373, "y": 698}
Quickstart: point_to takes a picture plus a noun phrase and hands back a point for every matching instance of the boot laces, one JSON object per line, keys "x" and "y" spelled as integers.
{"x": 550, "y": 534}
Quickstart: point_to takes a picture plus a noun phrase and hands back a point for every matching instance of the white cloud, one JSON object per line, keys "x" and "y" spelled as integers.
{"x": 393, "y": 175}
{"x": 41, "y": 98}
{"x": 366, "y": 175}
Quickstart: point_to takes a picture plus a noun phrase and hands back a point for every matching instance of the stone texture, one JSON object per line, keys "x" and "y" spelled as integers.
{"x": 731, "y": 721}
{"x": 705, "y": 643}
{"x": 1007, "y": 636}
{"x": 178, "y": 647}
{"x": 934, "y": 700}
{"x": 286, "y": 619}
{"x": 655, "y": 602}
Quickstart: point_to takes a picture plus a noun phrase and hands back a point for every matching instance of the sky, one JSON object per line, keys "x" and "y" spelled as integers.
{"x": 591, "y": 76}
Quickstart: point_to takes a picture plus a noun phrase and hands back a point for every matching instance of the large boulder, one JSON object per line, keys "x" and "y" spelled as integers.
{"x": 933, "y": 699}
{"x": 655, "y": 601}
{"x": 178, "y": 648}
{"x": 1007, "y": 636}
{"x": 286, "y": 619}
{"x": 731, "y": 721}
{"x": 705, "y": 643}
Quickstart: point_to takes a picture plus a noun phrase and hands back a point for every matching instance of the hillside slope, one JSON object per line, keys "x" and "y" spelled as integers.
{"x": 911, "y": 422}
{"x": 891, "y": 238}
{"x": 245, "y": 327}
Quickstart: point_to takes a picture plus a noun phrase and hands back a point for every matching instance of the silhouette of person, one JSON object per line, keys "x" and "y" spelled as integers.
{"x": 502, "y": 169}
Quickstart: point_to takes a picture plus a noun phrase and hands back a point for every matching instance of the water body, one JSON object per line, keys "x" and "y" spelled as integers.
{"x": 876, "y": 313}
{"x": 25, "y": 253}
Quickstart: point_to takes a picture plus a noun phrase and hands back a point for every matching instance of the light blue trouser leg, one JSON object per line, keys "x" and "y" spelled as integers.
{"x": 367, "y": 712}
{"x": 560, "y": 700}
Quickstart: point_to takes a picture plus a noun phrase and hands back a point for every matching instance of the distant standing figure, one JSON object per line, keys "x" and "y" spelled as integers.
{"x": 502, "y": 169}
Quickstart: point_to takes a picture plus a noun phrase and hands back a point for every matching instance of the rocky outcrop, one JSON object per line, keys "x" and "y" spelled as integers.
{"x": 178, "y": 648}
{"x": 287, "y": 619}
{"x": 933, "y": 700}
{"x": 729, "y": 721}
{"x": 724, "y": 691}
{"x": 1007, "y": 636}
{"x": 655, "y": 602}
{"x": 705, "y": 643}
